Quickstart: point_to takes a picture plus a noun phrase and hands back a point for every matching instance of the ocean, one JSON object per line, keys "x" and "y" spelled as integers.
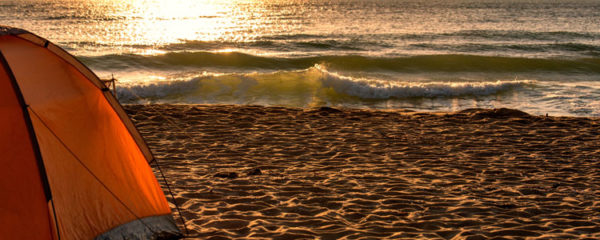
{"x": 538, "y": 56}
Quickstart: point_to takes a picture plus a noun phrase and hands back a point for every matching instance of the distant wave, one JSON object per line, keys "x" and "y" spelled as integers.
{"x": 301, "y": 88}
{"x": 340, "y": 41}
{"x": 264, "y": 44}
{"x": 83, "y": 17}
{"x": 582, "y": 49}
{"x": 519, "y": 35}
{"x": 274, "y": 45}
{"x": 472, "y": 41}
{"x": 423, "y": 63}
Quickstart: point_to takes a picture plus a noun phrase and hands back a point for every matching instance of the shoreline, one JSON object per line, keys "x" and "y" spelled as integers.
{"x": 242, "y": 171}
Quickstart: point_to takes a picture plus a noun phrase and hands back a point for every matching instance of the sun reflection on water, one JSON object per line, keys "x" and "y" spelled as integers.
{"x": 127, "y": 24}
{"x": 160, "y": 22}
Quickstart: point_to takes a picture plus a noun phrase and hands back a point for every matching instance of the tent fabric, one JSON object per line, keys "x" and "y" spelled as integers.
{"x": 95, "y": 160}
{"x": 19, "y": 206}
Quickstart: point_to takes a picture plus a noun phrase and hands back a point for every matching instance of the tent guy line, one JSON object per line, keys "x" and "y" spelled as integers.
{"x": 113, "y": 81}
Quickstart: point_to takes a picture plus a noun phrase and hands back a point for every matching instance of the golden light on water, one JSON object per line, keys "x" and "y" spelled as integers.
{"x": 163, "y": 22}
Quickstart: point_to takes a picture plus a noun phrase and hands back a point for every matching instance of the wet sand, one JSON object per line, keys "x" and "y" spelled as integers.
{"x": 251, "y": 172}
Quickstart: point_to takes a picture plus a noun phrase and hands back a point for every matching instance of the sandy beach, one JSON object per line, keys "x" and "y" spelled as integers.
{"x": 252, "y": 172}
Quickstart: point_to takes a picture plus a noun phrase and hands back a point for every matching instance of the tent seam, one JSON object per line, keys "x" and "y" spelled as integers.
{"x": 90, "y": 171}
{"x": 80, "y": 66}
{"x": 33, "y": 139}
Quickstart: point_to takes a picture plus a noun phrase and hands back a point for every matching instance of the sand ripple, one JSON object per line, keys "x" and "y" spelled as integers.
{"x": 285, "y": 173}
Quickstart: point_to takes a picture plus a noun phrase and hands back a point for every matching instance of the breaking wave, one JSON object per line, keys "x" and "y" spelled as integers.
{"x": 315, "y": 85}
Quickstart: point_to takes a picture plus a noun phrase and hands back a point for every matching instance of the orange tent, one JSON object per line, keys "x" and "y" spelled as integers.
{"x": 72, "y": 164}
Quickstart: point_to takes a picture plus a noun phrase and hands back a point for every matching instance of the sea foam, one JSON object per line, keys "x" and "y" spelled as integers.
{"x": 378, "y": 89}
{"x": 302, "y": 87}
